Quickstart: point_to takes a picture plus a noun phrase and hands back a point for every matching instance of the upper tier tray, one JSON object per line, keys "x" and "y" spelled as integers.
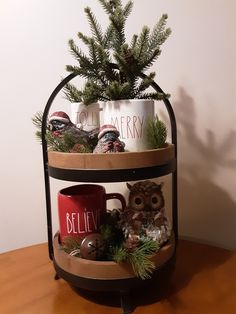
{"x": 125, "y": 160}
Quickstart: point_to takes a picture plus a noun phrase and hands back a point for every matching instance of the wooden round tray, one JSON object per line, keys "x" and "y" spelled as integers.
{"x": 105, "y": 270}
{"x": 125, "y": 160}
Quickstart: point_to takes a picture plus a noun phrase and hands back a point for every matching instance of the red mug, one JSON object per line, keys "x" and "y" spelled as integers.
{"x": 81, "y": 209}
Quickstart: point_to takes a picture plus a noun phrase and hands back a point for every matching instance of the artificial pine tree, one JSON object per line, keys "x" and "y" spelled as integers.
{"x": 113, "y": 69}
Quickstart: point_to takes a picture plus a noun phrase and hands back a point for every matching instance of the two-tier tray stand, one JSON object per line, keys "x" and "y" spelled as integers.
{"x": 79, "y": 273}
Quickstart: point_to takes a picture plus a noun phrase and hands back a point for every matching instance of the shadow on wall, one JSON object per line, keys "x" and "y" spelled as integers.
{"x": 206, "y": 210}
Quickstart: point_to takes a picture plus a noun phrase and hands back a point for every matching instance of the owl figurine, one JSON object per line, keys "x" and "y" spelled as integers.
{"x": 145, "y": 214}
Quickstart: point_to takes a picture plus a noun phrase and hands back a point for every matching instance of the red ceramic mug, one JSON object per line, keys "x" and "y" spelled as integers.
{"x": 82, "y": 207}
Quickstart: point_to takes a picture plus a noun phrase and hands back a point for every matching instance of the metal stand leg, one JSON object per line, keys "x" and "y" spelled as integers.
{"x": 125, "y": 302}
{"x": 56, "y": 277}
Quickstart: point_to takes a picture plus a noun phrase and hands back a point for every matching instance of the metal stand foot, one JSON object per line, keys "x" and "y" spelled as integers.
{"x": 125, "y": 302}
{"x": 56, "y": 277}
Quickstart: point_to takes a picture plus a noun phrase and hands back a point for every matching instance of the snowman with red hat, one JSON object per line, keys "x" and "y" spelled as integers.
{"x": 108, "y": 140}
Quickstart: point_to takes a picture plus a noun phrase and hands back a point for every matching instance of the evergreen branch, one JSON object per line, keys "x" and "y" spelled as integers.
{"x": 127, "y": 63}
{"x": 65, "y": 142}
{"x": 133, "y": 43}
{"x": 106, "y": 71}
{"x": 127, "y": 9}
{"x": 72, "y": 93}
{"x": 145, "y": 83}
{"x": 142, "y": 265}
{"x": 93, "y": 54}
{"x": 85, "y": 39}
{"x": 156, "y": 133}
{"x": 154, "y": 96}
{"x": 71, "y": 243}
{"x": 37, "y": 119}
{"x": 88, "y": 73}
{"x": 108, "y": 37}
{"x": 106, "y": 6}
{"x": 118, "y": 22}
{"x": 139, "y": 258}
{"x": 119, "y": 254}
{"x": 78, "y": 54}
{"x": 94, "y": 26}
{"x": 93, "y": 92}
{"x": 159, "y": 34}
{"x": 100, "y": 59}
{"x": 117, "y": 91}
{"x": 142, "y": 43}
{"x": 146, "y": 63}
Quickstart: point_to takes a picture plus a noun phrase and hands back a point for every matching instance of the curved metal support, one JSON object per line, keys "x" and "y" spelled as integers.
{"x": 174, "y": 174}
{"x": 45, "y": 160}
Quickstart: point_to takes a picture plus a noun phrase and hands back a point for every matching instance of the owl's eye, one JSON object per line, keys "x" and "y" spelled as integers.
{"x": 138, "y": 200}
{"x": 155, "y": 201}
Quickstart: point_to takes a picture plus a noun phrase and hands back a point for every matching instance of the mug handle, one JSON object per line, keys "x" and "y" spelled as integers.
{"x": 118, "y": 196}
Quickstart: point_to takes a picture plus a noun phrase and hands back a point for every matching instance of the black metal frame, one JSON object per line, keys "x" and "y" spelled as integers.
{"x": 113, "y": 175}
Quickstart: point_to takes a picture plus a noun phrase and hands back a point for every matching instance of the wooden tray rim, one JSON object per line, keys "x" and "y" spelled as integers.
{"x": 121, "y": 160}
{"x": 106, "y": 270}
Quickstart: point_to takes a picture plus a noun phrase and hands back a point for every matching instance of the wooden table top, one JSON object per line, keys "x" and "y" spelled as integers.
{"x": 204, "y": 282}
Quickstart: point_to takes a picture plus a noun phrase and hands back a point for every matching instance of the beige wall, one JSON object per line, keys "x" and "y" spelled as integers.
{"x": 197, "y": 67}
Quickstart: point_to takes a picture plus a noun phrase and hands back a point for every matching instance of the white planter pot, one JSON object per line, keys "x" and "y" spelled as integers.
{"x": 86, "y": 117}
{"x": 130, "y": 118}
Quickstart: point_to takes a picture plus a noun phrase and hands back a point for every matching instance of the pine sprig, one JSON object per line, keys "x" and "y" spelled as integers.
{"x": 156, "y": 133}
{"x": 139, "y": 257}
{"x": 72, "y": 93}
{"x": 107, "y": 6}
{"x": 71, "y": 244}
{"x": 118, "y": 22}
{"x": 78, "y": 54}
{"x": 65, "y": 143}
{"x": 37, "y": 119}
{"x": 159, "y": 33}
{"x": 127, "y": 9}
{"x": 94, "y": 26}
{"x": 143, "y": 43}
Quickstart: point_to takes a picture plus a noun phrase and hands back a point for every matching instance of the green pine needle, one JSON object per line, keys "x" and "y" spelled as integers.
{"x": 140, "y": 260}
{"x": 156, "y": 133}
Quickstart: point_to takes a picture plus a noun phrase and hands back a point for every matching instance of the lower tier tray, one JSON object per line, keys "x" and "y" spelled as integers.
{"x": 106, "y": 275}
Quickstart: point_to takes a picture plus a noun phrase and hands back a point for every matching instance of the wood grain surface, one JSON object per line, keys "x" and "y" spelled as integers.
{"x": 204, "y": 282}
{"x": 124, "y": 160}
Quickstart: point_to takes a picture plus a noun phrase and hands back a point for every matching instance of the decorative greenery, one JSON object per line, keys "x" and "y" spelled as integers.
{"x": 139, "y": 257}
{"x": 71, "y": 244}
{"x": 112, "y": 67}
{"x": 156, "y": 132}
{"x": 67, "y": 142}
{"x": 111, "y": 233}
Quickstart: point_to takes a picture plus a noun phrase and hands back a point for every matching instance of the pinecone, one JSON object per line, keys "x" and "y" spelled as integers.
{"x": 131, "y": 243}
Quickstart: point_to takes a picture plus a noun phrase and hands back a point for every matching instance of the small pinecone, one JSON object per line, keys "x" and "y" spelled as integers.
{"x": 131, "y": 243}
{"x": 78, "y": 148}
